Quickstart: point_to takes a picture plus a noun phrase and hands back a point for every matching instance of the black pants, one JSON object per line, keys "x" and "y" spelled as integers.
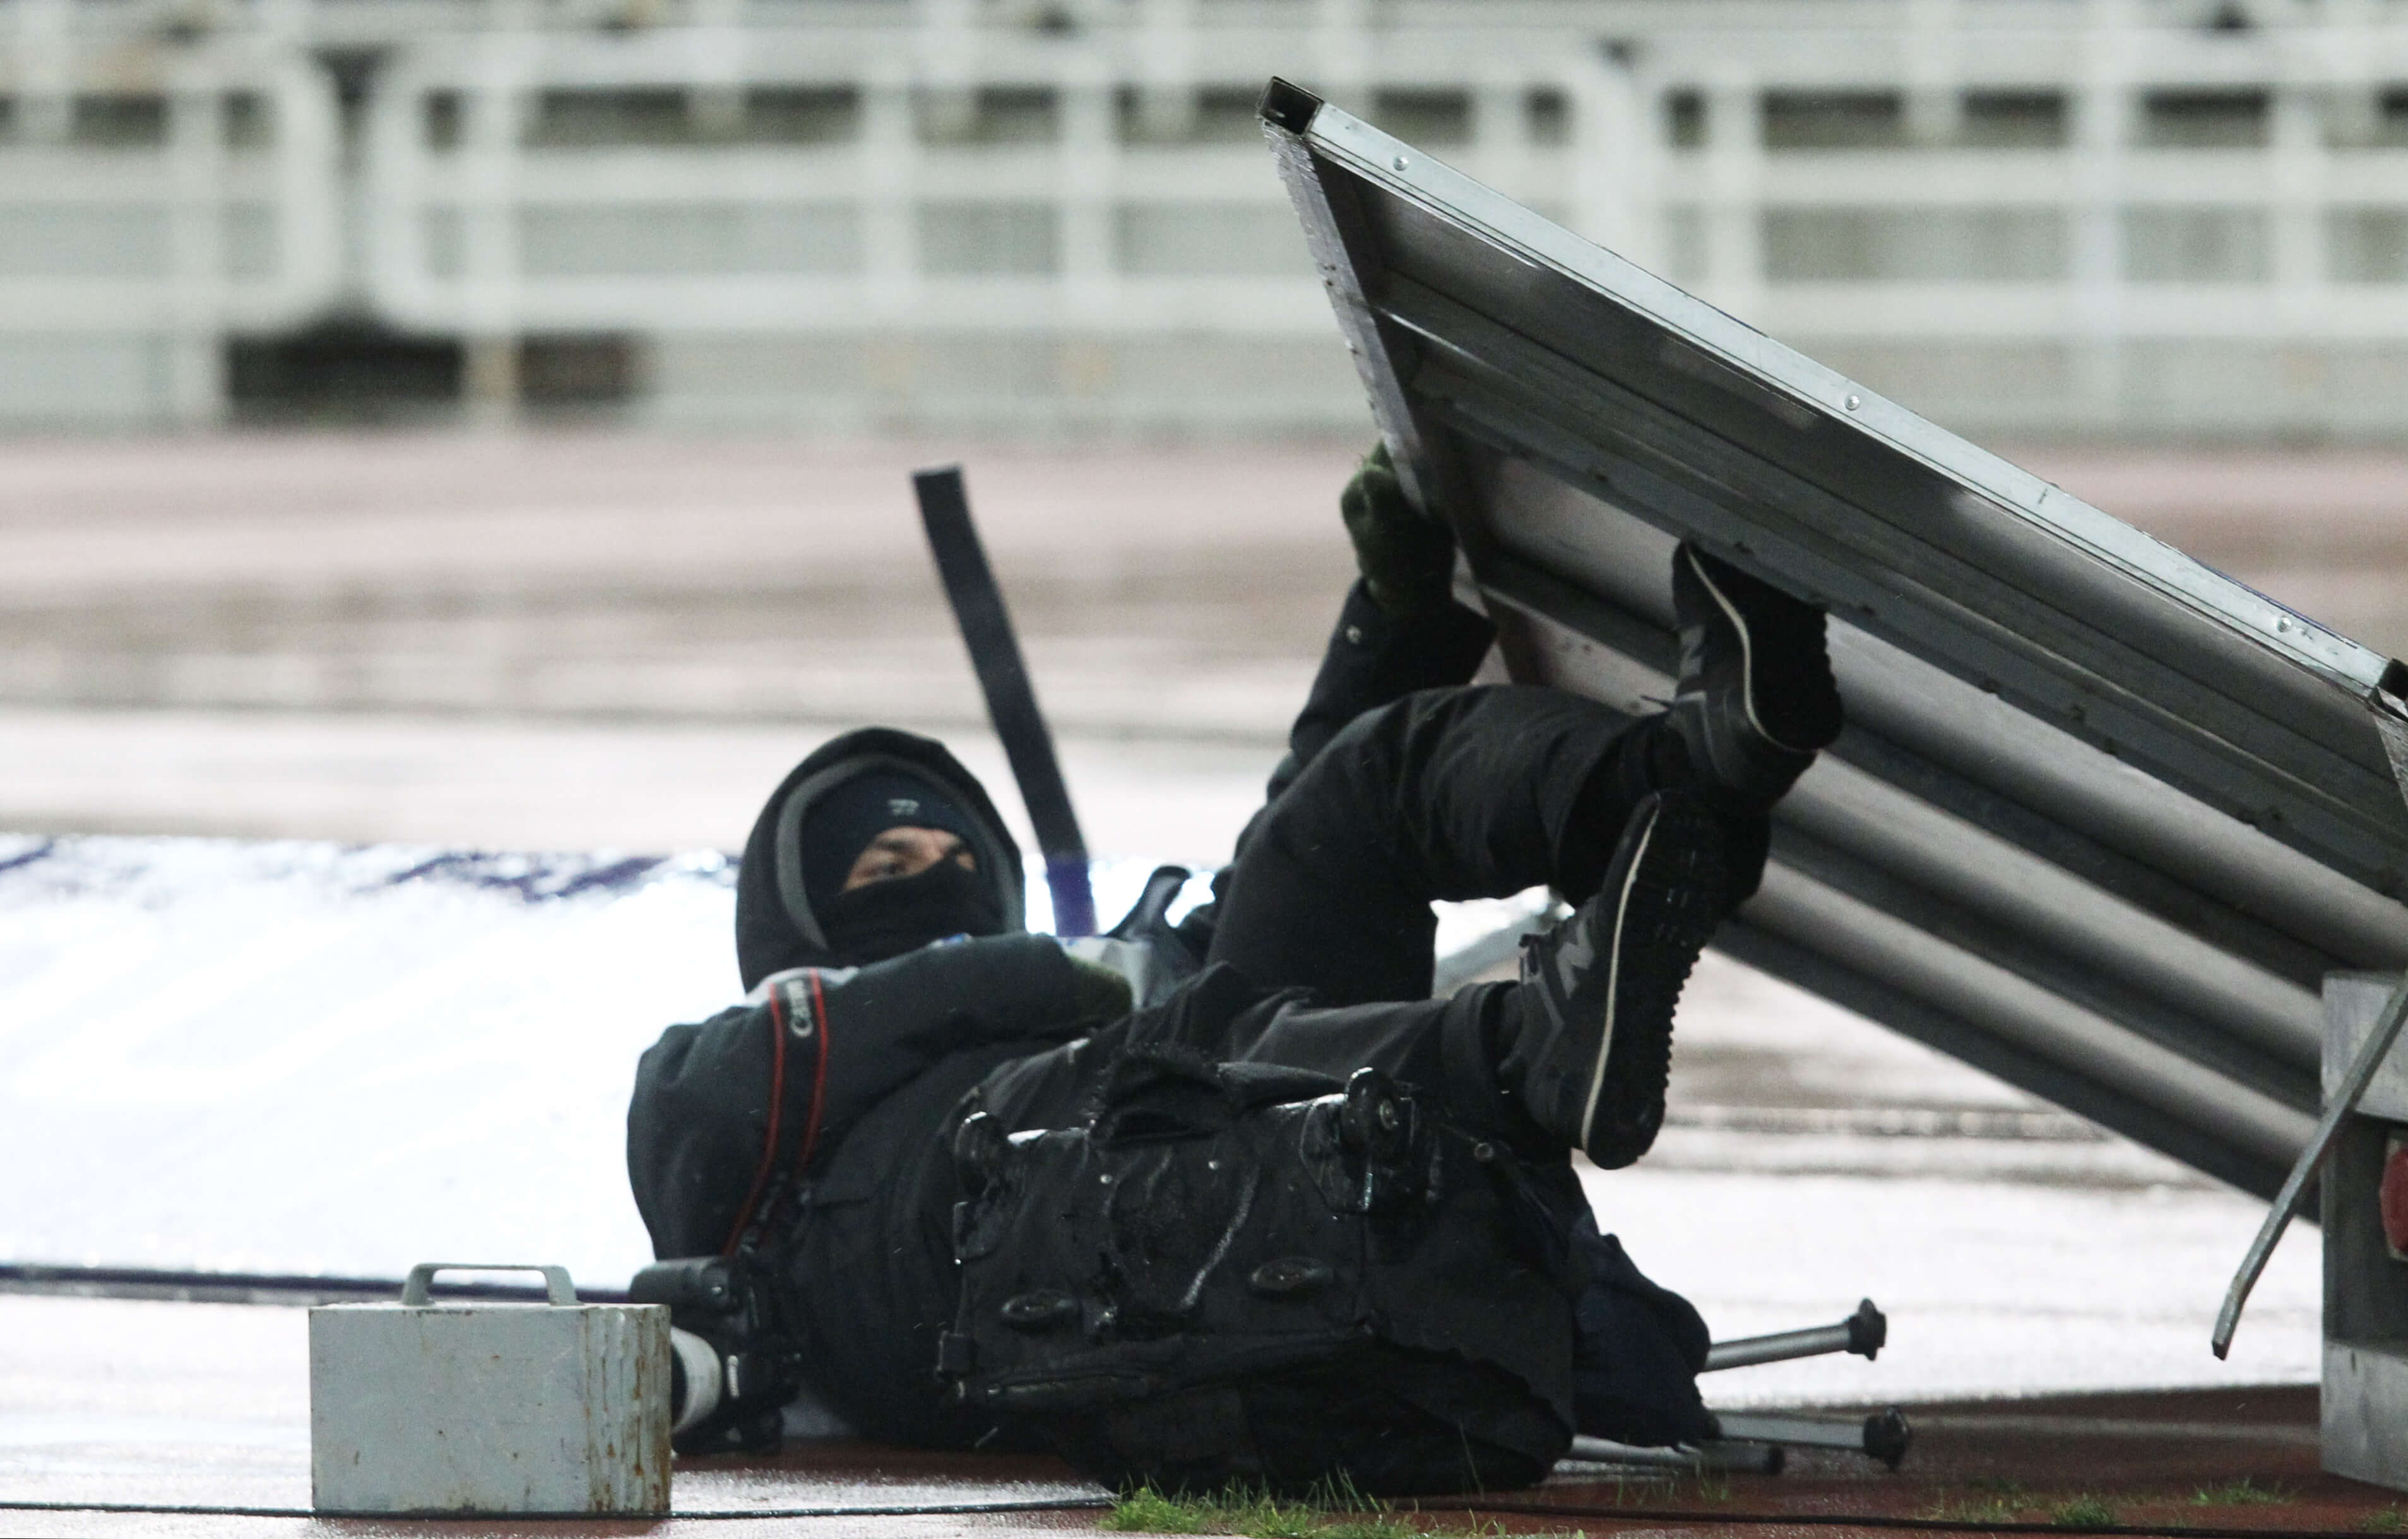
{"x": 1449, "y": 794}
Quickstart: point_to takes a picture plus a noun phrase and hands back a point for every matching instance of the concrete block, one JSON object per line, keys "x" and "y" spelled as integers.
{"x": 558, "y": 1407}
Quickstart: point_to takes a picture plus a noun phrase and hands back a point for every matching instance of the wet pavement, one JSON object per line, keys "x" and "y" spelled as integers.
{"x": 229, "y": 1456}
{"x": 577, "y": 639}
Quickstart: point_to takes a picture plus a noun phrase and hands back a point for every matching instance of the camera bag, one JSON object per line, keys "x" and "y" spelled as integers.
{"x": 1237, "y": 1274}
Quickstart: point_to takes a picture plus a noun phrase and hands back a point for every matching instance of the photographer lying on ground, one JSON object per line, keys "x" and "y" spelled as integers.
{"x": 1291, "y": 1217}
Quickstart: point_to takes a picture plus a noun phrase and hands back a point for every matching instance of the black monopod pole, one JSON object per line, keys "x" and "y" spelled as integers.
{"x": 1011, "y": 698}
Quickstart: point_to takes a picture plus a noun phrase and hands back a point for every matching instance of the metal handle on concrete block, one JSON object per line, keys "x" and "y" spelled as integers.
{"x": 555, "y": 1279}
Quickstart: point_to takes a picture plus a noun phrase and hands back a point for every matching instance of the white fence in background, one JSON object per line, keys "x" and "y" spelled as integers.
{"x": 152, "y": 202}
{"x": 2101, "y": 216}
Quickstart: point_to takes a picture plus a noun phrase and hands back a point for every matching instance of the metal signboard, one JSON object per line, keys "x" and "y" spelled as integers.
{"x": 2103, "y": 817}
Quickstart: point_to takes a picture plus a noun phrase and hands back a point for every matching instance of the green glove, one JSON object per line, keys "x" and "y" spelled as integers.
{"x": 1407, "y": 559}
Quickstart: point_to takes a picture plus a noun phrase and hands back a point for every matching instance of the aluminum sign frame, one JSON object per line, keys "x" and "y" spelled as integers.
{"x": 2102, "y": 819}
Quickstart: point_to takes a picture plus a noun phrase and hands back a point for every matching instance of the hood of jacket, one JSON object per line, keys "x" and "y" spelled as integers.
{"x": 774, "y": 927}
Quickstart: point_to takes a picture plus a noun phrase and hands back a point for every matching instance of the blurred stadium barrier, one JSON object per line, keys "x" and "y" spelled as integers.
{"x": 2097, "y": 217}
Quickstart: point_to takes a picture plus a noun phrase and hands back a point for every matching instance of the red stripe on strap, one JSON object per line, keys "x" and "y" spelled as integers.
{"x": 819, "y": 1078}
{"x": 777, "y": 1101}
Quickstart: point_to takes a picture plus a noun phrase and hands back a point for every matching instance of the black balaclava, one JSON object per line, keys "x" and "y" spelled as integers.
{"x": 843, "y": 820}
{"x": 818, "y": 821}
{"x": 889, "y": 917}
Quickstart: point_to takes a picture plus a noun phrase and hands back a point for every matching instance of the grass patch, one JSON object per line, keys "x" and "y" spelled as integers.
{"x": 2082, "y": 1512}
{"x": 1341, "y": 1512}
{"x": 1382, "y": 1527}
{"x": 2385, "y": 1521}
{"x": 1146, "y": 1510}
{"x": 1995, "y": 1498}
{"x": 1251, "y": 1514}
{"x": 2243, "y": 1492}
{"x": 1970, "y": 1509}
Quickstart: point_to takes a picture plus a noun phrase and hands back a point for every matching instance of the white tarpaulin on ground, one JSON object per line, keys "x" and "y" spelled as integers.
{"x": 307, "y": 1058}
{"x": 298, "y": 1057}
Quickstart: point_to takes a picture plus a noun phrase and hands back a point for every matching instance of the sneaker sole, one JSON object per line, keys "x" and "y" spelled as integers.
{"x": 1664, "y": 915}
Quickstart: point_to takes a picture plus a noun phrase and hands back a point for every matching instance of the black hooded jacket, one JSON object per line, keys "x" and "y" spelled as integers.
{"x": 731, "y": 1115}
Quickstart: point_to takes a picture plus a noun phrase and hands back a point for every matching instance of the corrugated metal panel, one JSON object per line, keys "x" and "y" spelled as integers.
{"x": 2102, "y": 816}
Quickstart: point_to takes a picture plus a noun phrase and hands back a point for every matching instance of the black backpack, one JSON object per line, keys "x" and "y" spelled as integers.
{"x": 1243, "y": 1275}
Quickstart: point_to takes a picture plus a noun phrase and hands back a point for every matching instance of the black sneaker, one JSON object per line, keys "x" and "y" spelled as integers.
{"x": 1594, "y": 1046}
{"x": 1756, "y": 698}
